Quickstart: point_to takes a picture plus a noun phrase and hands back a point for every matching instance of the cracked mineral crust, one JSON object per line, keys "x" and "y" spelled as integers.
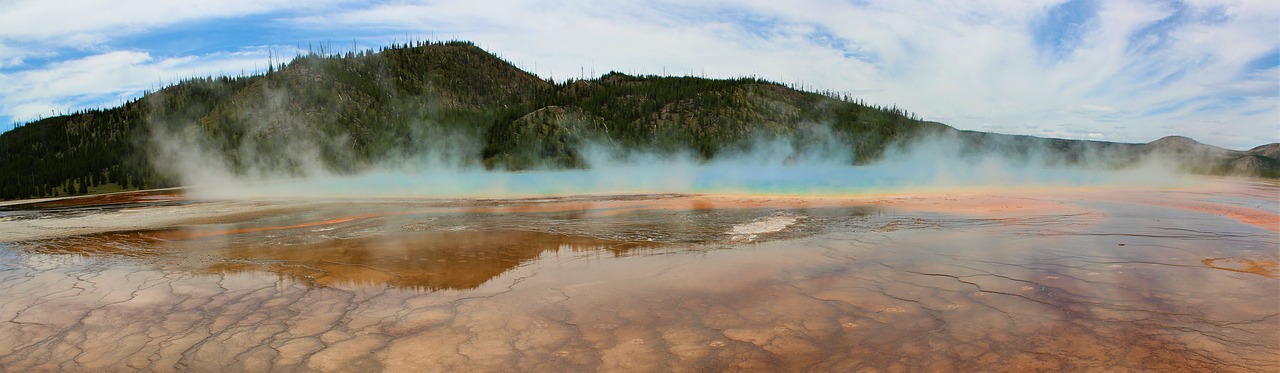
{"x": 1080, "y": 279}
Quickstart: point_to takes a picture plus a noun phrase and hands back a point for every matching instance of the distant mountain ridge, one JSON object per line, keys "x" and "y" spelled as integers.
{"x": 453, "y": 102}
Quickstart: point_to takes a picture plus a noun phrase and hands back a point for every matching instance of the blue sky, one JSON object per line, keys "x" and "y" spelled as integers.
{"x": 1129, "y": 71}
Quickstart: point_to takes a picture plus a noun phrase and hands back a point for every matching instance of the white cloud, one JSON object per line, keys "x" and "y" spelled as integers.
{"x": 1096, "y": 108}
{"x": 40, "y": 28}
{"x": 38, "y": 19}
{"x": 35, "y": 109}
{"x": 1151, "y": 68}
{"x": 976, "y": 64}
{"x": 111, "y": 78}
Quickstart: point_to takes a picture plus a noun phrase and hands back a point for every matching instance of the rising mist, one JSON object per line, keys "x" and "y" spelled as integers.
{"x": 446, "y": 165}
{"x": 450, "y": 120}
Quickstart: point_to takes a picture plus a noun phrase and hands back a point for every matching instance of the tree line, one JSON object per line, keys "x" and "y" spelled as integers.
{"x": 386, "y": 102}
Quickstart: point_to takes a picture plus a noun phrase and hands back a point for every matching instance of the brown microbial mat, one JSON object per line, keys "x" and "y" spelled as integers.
{"x": 1079, "y": 279}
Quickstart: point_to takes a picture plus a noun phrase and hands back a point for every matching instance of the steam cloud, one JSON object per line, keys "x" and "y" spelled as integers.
{"x": 776, "y": 168}
{"x": 444, "y": 164}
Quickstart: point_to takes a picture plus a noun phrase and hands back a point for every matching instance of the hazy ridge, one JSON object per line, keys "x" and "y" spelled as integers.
{"x": 453, "y": 105}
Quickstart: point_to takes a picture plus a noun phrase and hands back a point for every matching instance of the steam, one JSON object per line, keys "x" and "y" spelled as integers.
{"x": 281, "y": 156}
{"x": 772, "y": 166}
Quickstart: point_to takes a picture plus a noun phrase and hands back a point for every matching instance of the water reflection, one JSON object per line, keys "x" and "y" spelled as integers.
{"x": 431, "y": 248}
{"x": 1064, "y": 280}
{"x": 458, "y": 260}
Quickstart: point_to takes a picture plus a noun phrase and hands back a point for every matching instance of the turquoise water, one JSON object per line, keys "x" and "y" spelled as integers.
{"x": 743, "y": 178}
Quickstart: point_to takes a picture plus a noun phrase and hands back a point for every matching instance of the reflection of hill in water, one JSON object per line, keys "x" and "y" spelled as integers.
{"x": 435, "y": 261}
{"x": 435, "y": 245}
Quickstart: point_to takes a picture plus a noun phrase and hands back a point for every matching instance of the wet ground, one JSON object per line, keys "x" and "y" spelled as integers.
{"x": 1078, "y": 279}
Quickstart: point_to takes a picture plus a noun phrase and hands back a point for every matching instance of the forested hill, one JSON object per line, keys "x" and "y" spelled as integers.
{"x": 454, "y": 102}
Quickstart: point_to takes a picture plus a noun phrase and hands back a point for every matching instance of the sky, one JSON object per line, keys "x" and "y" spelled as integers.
{"x": 1113, "y": 70}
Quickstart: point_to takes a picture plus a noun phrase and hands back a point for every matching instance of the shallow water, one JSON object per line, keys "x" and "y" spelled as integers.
{"x": 1040, "y": 280}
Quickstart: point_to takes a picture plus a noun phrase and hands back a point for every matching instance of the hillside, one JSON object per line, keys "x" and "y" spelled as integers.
{"x": 455, "y": 103}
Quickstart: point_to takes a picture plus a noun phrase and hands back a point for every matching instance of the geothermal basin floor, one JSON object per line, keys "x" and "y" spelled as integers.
{"x": 1044, "y": 279}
